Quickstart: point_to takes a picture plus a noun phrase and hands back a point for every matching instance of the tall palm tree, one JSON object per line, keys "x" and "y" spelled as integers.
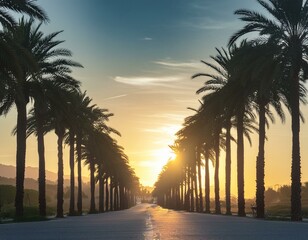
{"x": 83, "y": 121}
{"x": 234, "y": 101}
{"x": 85, "y": 116}
{"x": 45, "y": 91}
{"x": 33, "y": 44}
{"x": 51, "y": 74}
{"x": 215, "y": 84}
{"x": 58, "y": 119}
{"x": 286, "y": 27}
{"x": 80, "y": 114}
{"x": 263, "y": 72}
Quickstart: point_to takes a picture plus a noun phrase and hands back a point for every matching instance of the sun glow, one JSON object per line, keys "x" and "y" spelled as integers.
{"x": 163, "y": 155}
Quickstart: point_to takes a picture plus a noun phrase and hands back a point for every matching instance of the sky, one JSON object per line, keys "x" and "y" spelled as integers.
{"x": 138, "y": 59}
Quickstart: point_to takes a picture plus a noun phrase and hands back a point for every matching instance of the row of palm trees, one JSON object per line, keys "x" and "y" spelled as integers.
{"x": 35, "y": 68}
{"x": 245, "y": 81}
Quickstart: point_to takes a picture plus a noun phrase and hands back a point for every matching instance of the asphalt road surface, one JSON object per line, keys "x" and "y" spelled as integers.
{"x": 146, "y": 221}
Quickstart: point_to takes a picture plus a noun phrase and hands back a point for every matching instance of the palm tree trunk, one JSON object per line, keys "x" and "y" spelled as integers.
{"x": 200, "y": 182}
{"x": 207, "y": 184}
{"x": 296, "y": 205}
{"x": 185, "y": 189}
{"x": 111, "y": 195}
{"x": 191, "y": 192}
{"x": 20, "y": 156}
{"x": 115, "y": 198}
{"x": 228, "y": 167}
{"x": 182, "y": 200}
{"x": 122, "y": 204}
{"x": 240, "y": 164}
{"x": 92, "y": 186}
{"x": 261, "y": 163}
{"x": 107, "y": 195}
{"x": 60, "y": 134}
{"x": 127, "y": 199}
{"x": 101, "y": 189}
{"x": 216, "y": 177}
{"x": 41, "y": 155}
{"x": 188, "y": 205}
{"x": 196, "y": 186}
{"x": 72, "y": 177}
{"x": 79, "y": 196}
{"x": 192, "y": 202}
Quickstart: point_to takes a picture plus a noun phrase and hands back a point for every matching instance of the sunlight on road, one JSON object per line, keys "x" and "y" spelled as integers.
{"x": 180, "y": 225}
{"x": 169, "y": 224}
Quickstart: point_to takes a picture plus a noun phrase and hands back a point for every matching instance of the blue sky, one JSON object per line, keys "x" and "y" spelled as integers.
{"x": 121, "y": 33}
{"x": 138, "y": 57}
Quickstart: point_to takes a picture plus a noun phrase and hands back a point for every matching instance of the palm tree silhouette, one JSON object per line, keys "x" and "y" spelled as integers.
{"x": 92, "y": 144}
{"x": 58, "y": 120}
{"x": 215, "y": 84}
{"x": 286, "y": 28}
{"x": 39, "y": 49}
{"x": 263, "y": 72}
{"x": 231, "y": 99}
{"x": 83, "y": 118}
{"x": 45, "y": 91}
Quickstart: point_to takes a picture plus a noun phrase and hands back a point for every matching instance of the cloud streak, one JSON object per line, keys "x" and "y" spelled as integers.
{"x": 146, "y": 81}
{"x": 207, "y": 23}
{"x": 115, "y": 97}
{"x": 170, "y": 129}
{"x": 174, "y": 64}
{"x": 147, "y": 39}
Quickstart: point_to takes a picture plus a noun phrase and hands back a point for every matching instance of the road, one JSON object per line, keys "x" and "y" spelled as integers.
{"x": 151, "y": 222}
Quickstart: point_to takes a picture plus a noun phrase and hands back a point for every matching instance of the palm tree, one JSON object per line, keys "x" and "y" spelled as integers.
{"x": 233, "y": 100}
{"x": 93, "y": 128}
{"x": 201, "y": 132}
{"x": 80, "y": 114}
{"x": 45, "y": 91}
{"x": 83, "y": 121}
{"x": 34, "y": 45}
{"x": 49, "y": 76}
{"x": 263, "y": 72}
{"x": 216, "y": 83}
{"x": 209, "y": 122}
{"x": 58, "y": 119}
{"x": 167, "y": 184}
{"x": 285, "y": 27}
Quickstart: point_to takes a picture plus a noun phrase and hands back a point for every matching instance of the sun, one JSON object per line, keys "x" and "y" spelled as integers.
{"x": 163, "y": 155}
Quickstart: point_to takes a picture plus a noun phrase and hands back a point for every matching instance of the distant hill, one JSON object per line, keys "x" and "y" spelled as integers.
{"x": 9, "y": 171}
{"x": 29, "y": 182}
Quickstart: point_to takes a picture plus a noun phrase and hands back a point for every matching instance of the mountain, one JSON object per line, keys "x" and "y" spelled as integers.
{"x": 9, "y": 171}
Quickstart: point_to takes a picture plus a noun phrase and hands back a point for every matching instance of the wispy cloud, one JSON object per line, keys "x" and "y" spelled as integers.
{"x": 207, "y": 23}
{"x": 147, "y": 39}
{"x": 174, "y": 64}
{"x": 170, "y": 129}
{"x": 200, "y": 6}
{"x": 115, "y": 97}
{"x": 146, "y": 81}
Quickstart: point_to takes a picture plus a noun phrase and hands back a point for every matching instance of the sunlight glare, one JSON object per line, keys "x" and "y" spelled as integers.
{"x": 162, "y": 156}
